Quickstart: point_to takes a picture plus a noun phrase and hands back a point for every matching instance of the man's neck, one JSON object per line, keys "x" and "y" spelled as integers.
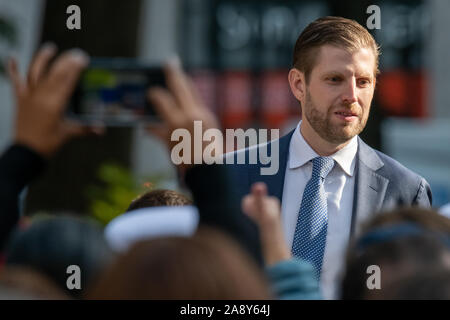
{"x": 322, "y": 147}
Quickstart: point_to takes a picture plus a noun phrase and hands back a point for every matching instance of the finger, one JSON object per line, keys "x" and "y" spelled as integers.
{"x": 63, "y": 75}
{"x": 259, "y": 189}
{"x": 275, "y": 200}
{"x": 193, "y": 89}
{"x": 179, "y": 84}
{"x": 40, "y": 63}
{"x": 96, "y": 128}
{"x": 166, "y": 107}
{"x": 247, "y": 205}
{"x": 14, "y": 75}
{"x": 75, "y": 129}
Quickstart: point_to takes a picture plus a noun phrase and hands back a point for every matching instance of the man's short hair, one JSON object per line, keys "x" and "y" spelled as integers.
{"x": 160, "y": 197}
{"x": 336, "y": 31}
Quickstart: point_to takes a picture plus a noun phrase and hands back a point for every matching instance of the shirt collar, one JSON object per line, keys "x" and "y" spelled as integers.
{"x": 301, "y": 153}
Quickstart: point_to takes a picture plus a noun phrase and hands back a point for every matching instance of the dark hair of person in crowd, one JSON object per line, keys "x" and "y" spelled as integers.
{"x": 27, "y": 283}
{"x": 430, "y": 284}
{"x": 404, "y": 244}
{"x": 208, "y": 265}
{"x": 159, "y": 197}
{"x": 51, "y": 245}
{"x": 403, "y": 258}
{"x": 427, "y": 218}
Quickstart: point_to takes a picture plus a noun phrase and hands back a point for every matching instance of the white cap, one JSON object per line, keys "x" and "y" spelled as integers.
{"x": 148, "y": 223}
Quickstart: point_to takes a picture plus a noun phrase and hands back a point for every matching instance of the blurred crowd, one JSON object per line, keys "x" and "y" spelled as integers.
{"x": 169, "y": 246}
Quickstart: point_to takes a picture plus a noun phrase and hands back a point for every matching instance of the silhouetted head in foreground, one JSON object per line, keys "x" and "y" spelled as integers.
{"x": 51, "y": 245}
{"x": 411, "y": 248}
{"x": 207, "y": 265}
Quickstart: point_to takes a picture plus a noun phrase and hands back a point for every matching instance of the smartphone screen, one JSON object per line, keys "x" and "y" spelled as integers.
{"x": 114, "y": 92}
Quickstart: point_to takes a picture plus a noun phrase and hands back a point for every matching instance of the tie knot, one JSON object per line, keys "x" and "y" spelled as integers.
{"x": 322, "y": 166}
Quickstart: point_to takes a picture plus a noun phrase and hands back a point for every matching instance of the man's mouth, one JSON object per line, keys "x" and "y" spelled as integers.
{"x": 347, "y": 115}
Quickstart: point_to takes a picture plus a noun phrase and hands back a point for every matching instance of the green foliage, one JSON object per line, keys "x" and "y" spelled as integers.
{"x": 119, "y": 188}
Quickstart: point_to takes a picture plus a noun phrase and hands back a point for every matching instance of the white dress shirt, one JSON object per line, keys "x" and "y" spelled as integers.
{"x": 339, "y": 188}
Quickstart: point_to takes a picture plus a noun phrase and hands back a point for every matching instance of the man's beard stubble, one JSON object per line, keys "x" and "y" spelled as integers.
{"x": 323, "y": 126}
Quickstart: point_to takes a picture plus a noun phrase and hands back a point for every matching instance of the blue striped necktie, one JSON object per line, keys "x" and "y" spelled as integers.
{"x": 312, "y": 222}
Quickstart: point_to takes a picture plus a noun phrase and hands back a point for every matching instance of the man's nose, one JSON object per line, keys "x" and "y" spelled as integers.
{"x": 349, "y": 94}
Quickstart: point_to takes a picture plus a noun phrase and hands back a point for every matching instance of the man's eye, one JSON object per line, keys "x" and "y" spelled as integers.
{"x": 364, "y": 82}
{"x": 334, "y": 79}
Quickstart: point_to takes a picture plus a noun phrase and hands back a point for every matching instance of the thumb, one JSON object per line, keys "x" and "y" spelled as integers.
{"x": 74, "y": 129}
{"x": 248, "y": 207}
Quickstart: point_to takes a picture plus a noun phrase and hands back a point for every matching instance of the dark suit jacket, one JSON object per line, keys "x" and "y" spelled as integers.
{"x": 381, "y": 182}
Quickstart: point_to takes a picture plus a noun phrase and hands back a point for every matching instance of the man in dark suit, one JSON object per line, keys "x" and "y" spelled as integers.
{"x": 329, "y": 181}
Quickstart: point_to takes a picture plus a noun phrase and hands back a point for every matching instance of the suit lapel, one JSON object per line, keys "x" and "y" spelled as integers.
{"x": 275, "y": 183}
{"x": 370, "y": 187}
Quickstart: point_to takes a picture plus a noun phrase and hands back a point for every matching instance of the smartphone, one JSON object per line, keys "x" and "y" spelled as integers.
{"x": 113, "y": 91}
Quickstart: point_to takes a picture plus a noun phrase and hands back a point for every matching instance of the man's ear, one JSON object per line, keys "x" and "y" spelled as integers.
{"x": 297, "y": 83}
